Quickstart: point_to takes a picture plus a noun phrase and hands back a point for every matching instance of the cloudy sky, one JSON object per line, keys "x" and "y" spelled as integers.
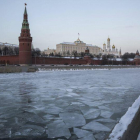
{"x": 55, "y": 21}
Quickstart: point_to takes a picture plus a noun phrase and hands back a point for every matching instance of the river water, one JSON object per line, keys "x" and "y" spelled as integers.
{"x": 82, "y": 104}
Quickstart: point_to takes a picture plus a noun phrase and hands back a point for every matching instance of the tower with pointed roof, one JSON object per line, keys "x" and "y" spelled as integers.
{"x": 25, "y": 41}
{"x": 108, "y": 44}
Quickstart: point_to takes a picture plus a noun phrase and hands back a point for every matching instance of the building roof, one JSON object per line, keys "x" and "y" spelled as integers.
{"x": 8, "y": 44}
{"x": 108, "y": 39}
{"x": 137, "y": 57}
{"x": 72, "y": 43}
{"x": 113, "y": 46}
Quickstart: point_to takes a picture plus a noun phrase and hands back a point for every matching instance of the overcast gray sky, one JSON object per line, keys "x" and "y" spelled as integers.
{"x": 55, "y": 21}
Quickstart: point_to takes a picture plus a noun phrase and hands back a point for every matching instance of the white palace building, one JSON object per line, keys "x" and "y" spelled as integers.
{"x": 78, "y": 45}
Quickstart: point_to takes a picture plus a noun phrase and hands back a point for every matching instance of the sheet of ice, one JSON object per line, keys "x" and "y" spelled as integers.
{"x": 106, "y": 114}
{"x": 53, "y": 110}
{"x": 100, "y": 136}
{"x": 95, "y": 126}
{"x": 58, "y": 129}
{"x": 86, "y": 110}
{"x": 89, "y": 137}
{"x": 81, "y": 133}
{"x": 105, "y": 120}
{"x": 93, "y": 115}
{"x": 121, "y": 127}
{"x": 30, "y": 130}
{"x": 72, "y": 119}
{"x": 43, "y": 96}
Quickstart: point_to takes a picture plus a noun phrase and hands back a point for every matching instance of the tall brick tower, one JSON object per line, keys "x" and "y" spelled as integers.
{"x": 25, "y": 41}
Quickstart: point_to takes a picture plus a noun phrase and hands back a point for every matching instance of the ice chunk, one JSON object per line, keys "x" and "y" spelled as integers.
{"x": 92, "y": 115}
{"x": 90, "y": 103}
{"x": 77, "y": 103}
{"x": 100, "y": 136}
{"x": 58, "y": 129}
{"x": 95, "y": 126}
{"x": 89, "y": 137}
{"x": 31, "y": 130}
{"x": 50, "y": 117}
{"x": 53, "y": 110}
{"x": 86, "y": 110}
{"x": 35, "y": 119}
{"x": 73, "y": 119}
{"x": 105, "y": 120}
{"x": 106, "y": 114}
{"x": 104, "y": 107}
{"x": 81, "y": 133}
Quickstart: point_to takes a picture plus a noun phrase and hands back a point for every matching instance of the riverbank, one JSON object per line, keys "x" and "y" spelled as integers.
{"x": 16, "y": 69}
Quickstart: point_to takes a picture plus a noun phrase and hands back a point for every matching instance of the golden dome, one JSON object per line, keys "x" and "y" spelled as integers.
{"x": 104, "y": 44}
{"x": 113, "y": 46}
{"x": 78, "y": 39}
{"x": 108, "y": 39}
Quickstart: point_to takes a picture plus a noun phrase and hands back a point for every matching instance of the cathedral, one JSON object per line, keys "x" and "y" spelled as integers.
{"x": 108, "y": 50}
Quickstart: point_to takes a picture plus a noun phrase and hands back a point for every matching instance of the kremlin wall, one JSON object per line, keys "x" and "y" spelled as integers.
{"x": 25, "y": 56}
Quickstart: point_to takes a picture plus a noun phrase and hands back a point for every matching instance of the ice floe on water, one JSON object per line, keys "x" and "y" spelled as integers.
{"x": 83, "y": 104}
{"x": 95, "y": 126}
{"x": 81, "y": 133}
{"x": 58, "y": 129}
{"x": 73, "y": 119}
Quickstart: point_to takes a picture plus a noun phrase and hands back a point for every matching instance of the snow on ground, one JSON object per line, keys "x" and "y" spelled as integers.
{"x": 121, "y": 127}
{"x": 82, "y": 104}
{"x": 138, "y": 137}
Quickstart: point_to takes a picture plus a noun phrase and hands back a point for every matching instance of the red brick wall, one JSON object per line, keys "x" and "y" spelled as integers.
{"x": 46, "y": 60}
{"x": 43, "y": 60}
{"x": 137, "y": 61}
{"x": 9, "y": 59}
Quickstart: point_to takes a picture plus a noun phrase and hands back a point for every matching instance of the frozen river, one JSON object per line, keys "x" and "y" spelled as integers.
{"x": 84, "y": 104}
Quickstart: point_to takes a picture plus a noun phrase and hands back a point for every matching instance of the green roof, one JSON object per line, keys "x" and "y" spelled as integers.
{"x": 25, "y": 11}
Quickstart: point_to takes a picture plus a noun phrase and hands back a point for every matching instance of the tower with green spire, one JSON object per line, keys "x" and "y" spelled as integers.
{"x": 25, "y": 41}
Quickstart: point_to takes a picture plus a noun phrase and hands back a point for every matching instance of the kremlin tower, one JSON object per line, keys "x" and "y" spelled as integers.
{"x": 25, "y": 41}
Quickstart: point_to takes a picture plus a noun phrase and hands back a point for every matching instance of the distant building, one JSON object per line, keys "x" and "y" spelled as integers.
{"x": 48, "y": 51}
{"x": 108, "y": 50}
{"x": 137, "y": 58}
{"x": 67, "y": 48}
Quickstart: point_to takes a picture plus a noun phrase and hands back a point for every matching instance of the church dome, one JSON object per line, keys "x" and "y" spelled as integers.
{"x": 108, "y": 39}
{"x": 104, "y": 44}
{"x": 113, "y": 47}
{"x": 78, "y": 40}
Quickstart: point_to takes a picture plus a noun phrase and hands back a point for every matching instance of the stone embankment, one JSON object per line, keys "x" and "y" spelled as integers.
{"x": 14, "y": 69}
{"x": 78, "y": 67}
{"x": 128, "y": 127}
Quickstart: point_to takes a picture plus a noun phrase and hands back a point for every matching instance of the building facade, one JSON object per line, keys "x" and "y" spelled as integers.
{"x": 78, "y": 46}
{"x": 107, "y": 49}
{"x": 49, "y": 51}
{"x": 137, "y": 58}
